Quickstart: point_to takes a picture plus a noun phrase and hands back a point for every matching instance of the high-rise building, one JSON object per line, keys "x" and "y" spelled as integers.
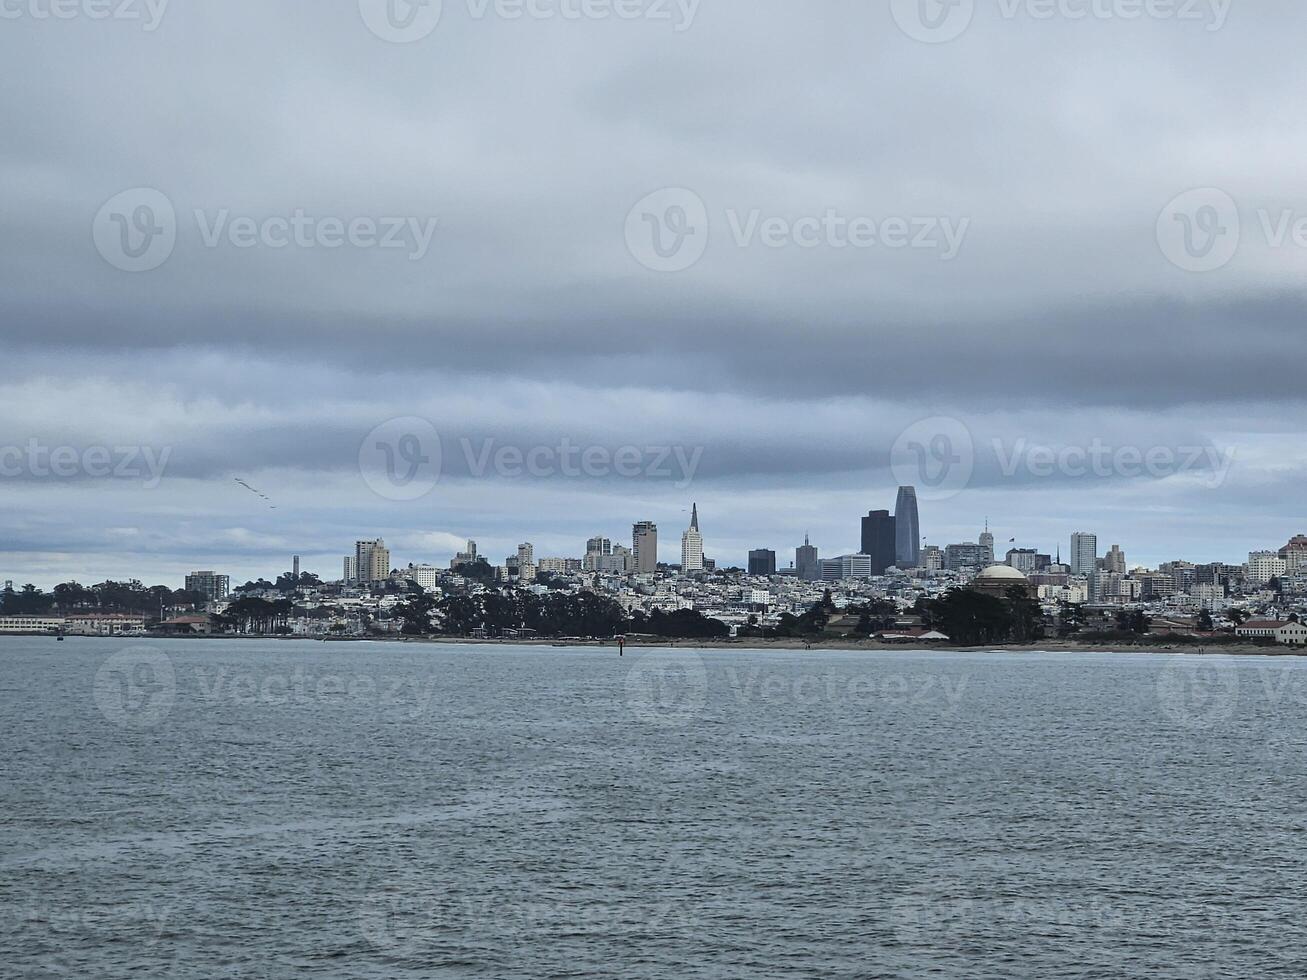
{"x": 907, "y": 529}
{"x": 644, "y": 545}
{"x": 466, "y": 557}
{"x": 351, "y": 570}
{"x": 1264, "y": 566}
{"x": 1084, "y": 553}
{"x": 692, "y": 545}
{"x": 932, "y": 558}
{"x": 879, "y": 540}
{"x": 1024, "y": 560}
{"x": 372, "y": 561}
{"x": 987, "y": 543}
{"x": 806, "y": 561}
{"x": 762, "y": 562}
{"x": 1114, "y": 560}
{"x": 211, "y": 585}
{"x": 968, "y": 554}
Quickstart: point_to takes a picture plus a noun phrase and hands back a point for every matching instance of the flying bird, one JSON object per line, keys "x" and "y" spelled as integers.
{"x": 257, "y": 493}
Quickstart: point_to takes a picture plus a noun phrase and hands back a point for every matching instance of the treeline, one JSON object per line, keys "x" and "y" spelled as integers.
{"x": 971, "y": 618}
{"x": 72, "y": 598}
{"x": 583, "y": 614}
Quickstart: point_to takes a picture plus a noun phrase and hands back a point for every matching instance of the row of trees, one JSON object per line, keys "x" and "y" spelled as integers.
{"x": 107, "y": 597}
{"x": 971, "y": 618}
{"x": 557, "y": 614}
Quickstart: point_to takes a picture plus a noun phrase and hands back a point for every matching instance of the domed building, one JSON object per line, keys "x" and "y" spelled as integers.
{"x": 998, "y": 580}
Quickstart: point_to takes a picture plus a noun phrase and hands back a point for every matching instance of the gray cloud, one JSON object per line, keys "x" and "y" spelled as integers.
{"x": 1059, "y": 322}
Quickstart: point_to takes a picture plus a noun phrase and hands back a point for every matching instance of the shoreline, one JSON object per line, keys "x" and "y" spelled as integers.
{"x": 750, "y": 643}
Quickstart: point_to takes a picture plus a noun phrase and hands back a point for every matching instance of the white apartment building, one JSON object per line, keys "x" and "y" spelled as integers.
{"x": 1264, "y": 566}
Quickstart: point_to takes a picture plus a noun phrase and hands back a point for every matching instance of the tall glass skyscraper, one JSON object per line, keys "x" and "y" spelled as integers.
{"x": 878, "y": 540}
{"x": 1084, "y": 553}
{"x": 907, "y": 529}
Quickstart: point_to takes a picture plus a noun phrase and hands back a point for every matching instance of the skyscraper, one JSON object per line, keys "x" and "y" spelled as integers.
{"x": 644, "y": 545}
{"x": 987, "y": 543}
{"x": 907, "y": 529}
{"x": 371, "y": 561}
{"x": 692, "y": 545}
{"x": 211, "y": 585}
{"x": 879, "y": 540}
{"x": 1084, "y": 553}
{"x": 806, "y": 562}
{"x": 762, "y": 562}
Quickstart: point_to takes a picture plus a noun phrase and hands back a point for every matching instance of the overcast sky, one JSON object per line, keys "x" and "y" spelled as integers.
{"x": 537, "y": 277}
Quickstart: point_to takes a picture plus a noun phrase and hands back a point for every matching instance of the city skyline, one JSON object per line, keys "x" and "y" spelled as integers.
{"x": 376, "y": 555}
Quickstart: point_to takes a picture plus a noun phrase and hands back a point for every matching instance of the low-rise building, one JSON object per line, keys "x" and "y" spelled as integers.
{"x": 30, "y": 624}
{"x": 1260, "y": 628}
{"x": 1292, "y": 635}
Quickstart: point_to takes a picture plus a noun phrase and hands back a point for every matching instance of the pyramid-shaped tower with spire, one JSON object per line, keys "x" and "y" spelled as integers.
{"x": 692, "y": 545}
